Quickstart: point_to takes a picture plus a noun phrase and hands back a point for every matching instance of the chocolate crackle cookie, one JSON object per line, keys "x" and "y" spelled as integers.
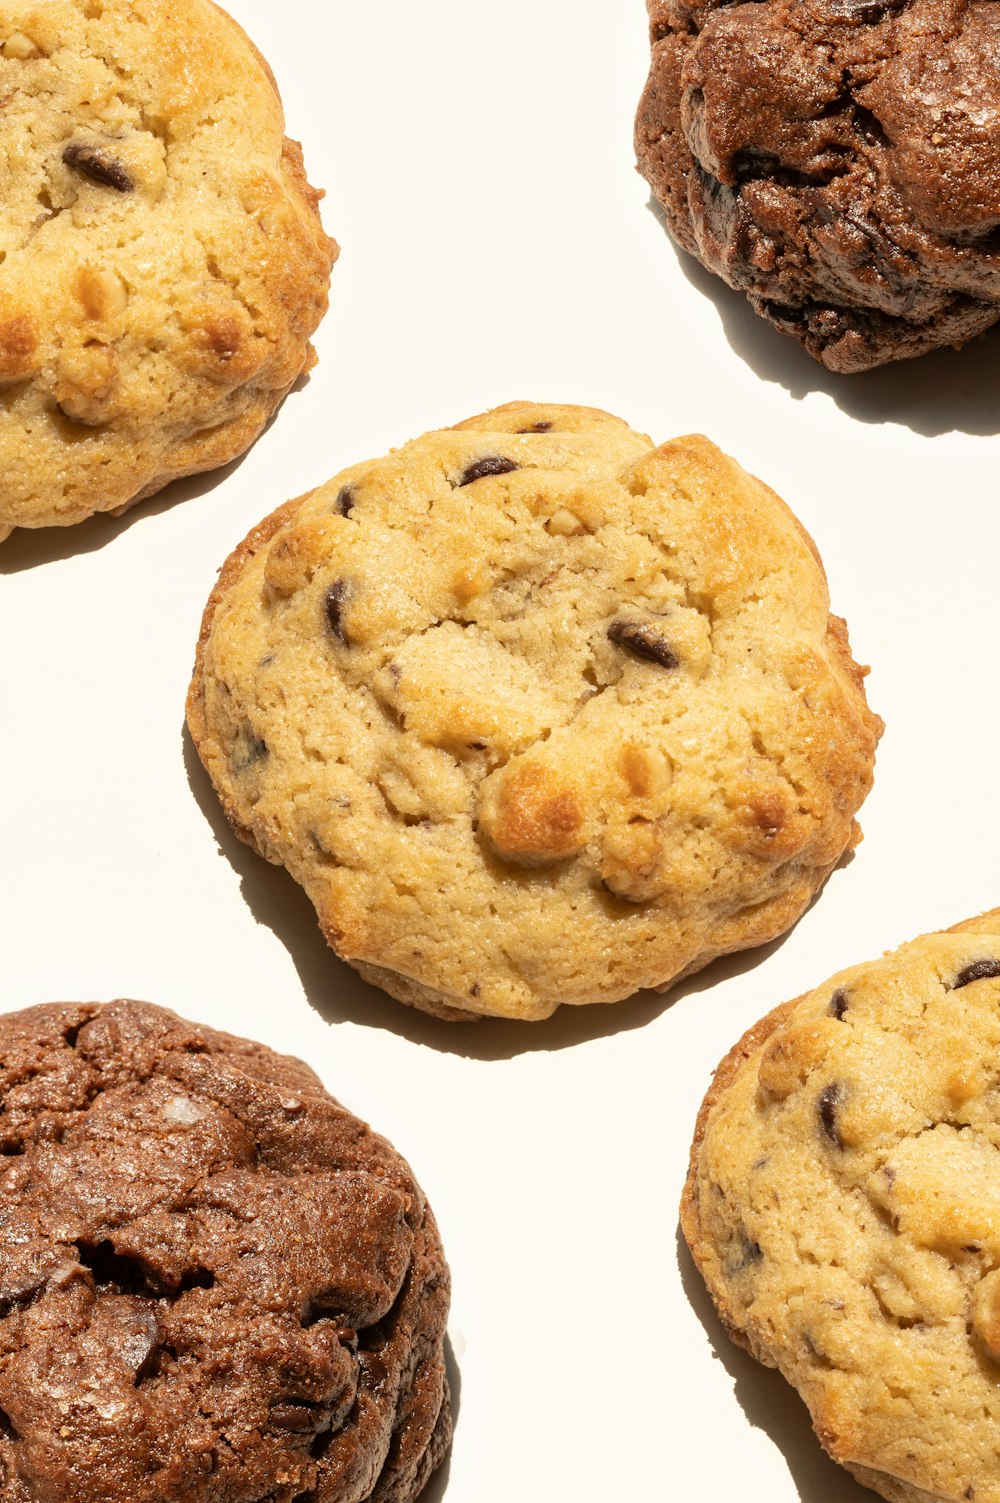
{"x": 836, "y": 160}
{"x": 536, "y": 712}
{"x": 163, "y": 262}
{"x": 216, "y": 1285}
{"x": 843, "y": 1206}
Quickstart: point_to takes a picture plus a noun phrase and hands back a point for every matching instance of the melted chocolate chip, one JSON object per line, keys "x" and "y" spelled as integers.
{"x": 537, "y": 428}
{"x": 838, "y": 1003}
{"x": 346, "y": 501}
{"x": 336, "y": 599}
{"x": 300, "y": 1417}
{"x": 979, "y": 970}
{"x": 743, "y": 1253}
{"x": 643, "y": 641}
{"x": 99, "y": 165}
{"x": 829, "y": 1104}
{"x": 752, "y": 1253}
{"x": 490, "y": 464}
{"x": 251, "y": 750}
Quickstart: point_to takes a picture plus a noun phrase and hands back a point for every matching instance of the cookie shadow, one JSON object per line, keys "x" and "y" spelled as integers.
{"x": 944, "y": 392}
{"x": 437, "y": 1486}
{"x": 29, "y": 547}
{"x": 770, "y": 1403}
{"x": 340, "y": 996}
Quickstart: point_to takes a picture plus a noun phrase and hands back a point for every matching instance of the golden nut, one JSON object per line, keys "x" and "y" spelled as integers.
{"x": 647, "y": 770}
{"x": 102, "y": 292}
{"x": 565, "y": 524}
{"x": 298, "y": 551}
{"x": 20, "y": 47}
{"x": 986, "y": 1313}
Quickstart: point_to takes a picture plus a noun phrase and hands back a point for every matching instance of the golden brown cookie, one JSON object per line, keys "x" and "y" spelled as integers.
{"x": 535, "y": 712}
{"x": 162, "y": 261}
{"x": 843, "y": 1206}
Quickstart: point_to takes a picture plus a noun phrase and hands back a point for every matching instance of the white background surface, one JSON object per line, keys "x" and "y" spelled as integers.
{"x": 497, "y": 243}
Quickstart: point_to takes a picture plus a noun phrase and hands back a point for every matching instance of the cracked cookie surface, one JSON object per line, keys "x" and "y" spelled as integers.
{"x": 843, "y": 1206}
{"x": 162, "y": 261}
{"x": 536, "y": 712}
{"x": 838, "y": 161}
{"x": 216, "y": 1284}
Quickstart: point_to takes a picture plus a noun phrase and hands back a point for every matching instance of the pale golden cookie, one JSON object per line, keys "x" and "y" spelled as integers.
{"x": 162, "y": 261}
{"x": 843, "y": 1206}
{"x": 536, "y": 713}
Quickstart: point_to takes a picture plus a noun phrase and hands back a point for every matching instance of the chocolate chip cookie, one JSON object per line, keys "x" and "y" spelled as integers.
{"x": 536, "y": 712}
{"x": 843, "y": 1206}
{"x": 216, "y": 1285}
{"x": 163, "y": 262}
{"x": 836, "y": 160}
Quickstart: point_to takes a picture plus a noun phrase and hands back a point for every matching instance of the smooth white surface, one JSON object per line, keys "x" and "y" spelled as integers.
{"x": 497, "y": 243}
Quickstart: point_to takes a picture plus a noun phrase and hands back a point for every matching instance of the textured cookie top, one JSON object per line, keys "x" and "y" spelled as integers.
{"x": 535, "y": 712}
{"x": 844, "y": 1207}
{"x": 163, "y": 263}
{"x": 838, "y": 160}
{"x": 216, "y": 1285}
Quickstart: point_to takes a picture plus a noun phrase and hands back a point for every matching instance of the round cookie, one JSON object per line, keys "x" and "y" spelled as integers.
{"x": 163, "y": 260}
{"x": 843, "y": 1206}
{"x": 836, "y": 160}
{"x": 216, "y": 1285}
{"x": 535, "y": 712}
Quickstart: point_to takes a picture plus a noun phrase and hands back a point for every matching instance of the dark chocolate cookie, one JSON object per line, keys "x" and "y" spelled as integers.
{"x": 836, "y": 160}
{"x": 216, "y": 1285}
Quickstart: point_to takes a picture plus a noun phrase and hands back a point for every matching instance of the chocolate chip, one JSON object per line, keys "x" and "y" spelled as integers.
{"x": 742, "y": 1253}
{"x": 643, "y": 641}
{"x": 252, "y": 749}
{"x": 299, "y": 1418}
{"x": 373, "y": 1368}
{"x": 336, "y": 599}
{"x": 838, "y": 1003}
{"x": 829, "y": 1104}
{"x": 979, "y": 970}
{"x": 346, "y": 501}
{"x": 536, "y": 428}
{"x": 99, "y": 165}
{"x": 491, "y": 464}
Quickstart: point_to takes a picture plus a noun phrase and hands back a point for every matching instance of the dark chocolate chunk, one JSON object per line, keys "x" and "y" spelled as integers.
{"x": 336, "y": 600}
{"x": 838, "y": 1003}
{"x": 345, "y": 501}
{"x": 100, "y": 165}
{"x": 644, "y": 641}
{"x": 830, "y": 1101}
{"x": 979, "y": 970}
{"x": 301, "y": 1417}
{"x": 490, "y": 464}
{"x": 250, "y": 750}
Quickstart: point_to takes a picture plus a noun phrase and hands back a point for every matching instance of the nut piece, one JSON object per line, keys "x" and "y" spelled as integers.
{"x": 531, "y": 816}
{"x": 986, "y": 1313}
{"x": 20, "y": 47}
{"x": 102, "y": 292}
{"x": 565, "y": 524}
